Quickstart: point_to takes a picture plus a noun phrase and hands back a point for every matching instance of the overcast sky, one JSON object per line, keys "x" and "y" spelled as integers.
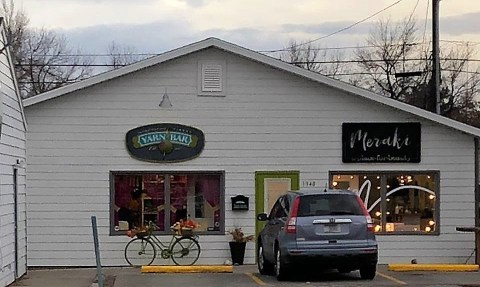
{"x": 155, "y": 26}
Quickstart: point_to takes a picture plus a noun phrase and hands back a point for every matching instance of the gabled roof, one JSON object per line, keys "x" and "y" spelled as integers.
{"x": 258, "y": 57}
{"x": 4, "y": 48}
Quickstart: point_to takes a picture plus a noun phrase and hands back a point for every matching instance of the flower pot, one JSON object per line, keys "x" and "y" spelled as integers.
{"x": 237, "y": 250}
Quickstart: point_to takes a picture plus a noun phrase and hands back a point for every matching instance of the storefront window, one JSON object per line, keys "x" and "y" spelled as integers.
{"x": 398, "y": 202}
{"x": 142, "y": 197}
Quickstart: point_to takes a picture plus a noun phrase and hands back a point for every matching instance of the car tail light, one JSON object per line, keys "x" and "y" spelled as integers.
{"x": 292, "y": 219}
{"x": 370, "y": 226}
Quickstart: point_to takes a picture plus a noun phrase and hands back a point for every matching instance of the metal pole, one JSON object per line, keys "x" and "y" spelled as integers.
{"x": 97, "y": 252}
{"x": 477, "y": 199}
{"x": 436, "y": 53}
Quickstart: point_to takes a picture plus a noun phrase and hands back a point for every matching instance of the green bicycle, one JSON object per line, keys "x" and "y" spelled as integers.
{"x": 142, "y": 250}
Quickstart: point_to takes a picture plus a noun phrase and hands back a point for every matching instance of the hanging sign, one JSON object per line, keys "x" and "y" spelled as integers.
{"x": 381, "y": 142}
{"x": 165, "y": 142}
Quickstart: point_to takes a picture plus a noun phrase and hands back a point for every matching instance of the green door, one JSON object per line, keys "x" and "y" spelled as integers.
{"x": 269, "y": 185}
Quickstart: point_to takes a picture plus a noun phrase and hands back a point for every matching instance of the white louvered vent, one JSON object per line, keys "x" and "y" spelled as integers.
{"x": 212, "y": 78}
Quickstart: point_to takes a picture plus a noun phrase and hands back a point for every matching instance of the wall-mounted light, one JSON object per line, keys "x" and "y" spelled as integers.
{"x": 165, "y": 102}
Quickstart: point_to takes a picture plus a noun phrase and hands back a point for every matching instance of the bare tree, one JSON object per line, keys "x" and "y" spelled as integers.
{"x": 397, "y": 55}
{"x": 313, "y": 58}
{"x": 121, "y": 55}
{"x": 45, "y": 67}
{"x": 461, "y": 84}
{"x": 16, "y": 23}
{"x": 39, "y": 55}
{"x": 394, "y": 47}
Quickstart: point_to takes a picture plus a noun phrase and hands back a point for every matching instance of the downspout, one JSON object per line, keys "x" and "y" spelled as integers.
{"x": 15, "y": 217}
{"x": 477, "y": 201}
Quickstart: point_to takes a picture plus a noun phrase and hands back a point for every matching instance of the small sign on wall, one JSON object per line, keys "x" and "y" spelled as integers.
{"x": 381, "y": 142}
{"x": 310, "y": 183}
{"x": 240, "y": 202}
{"x": 165, "y": 142}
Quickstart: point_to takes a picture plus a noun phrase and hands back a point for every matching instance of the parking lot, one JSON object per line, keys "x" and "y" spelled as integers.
{"x": 243, "y": 276}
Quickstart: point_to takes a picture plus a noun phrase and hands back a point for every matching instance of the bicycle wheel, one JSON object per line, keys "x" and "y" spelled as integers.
{"x": 185, "y": 251}
{"x": 139, "y": 252}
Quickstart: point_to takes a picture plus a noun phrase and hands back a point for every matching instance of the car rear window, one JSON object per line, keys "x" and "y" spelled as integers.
{"x": 328, "y": 204}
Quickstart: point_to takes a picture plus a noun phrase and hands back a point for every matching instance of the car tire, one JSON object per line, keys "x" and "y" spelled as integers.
{"x": 344, "y": 270}
{"x": 264, "y": 267}
{"x": 368, "y": 272}
{"x": 281, "y": 269}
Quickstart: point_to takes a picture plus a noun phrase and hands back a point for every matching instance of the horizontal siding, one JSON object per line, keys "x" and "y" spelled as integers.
{"x": 12, "y": 148}
{"x": 268, "y": 120}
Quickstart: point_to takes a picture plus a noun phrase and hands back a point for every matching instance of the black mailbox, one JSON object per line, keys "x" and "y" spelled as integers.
{"x": 240, "y": 202}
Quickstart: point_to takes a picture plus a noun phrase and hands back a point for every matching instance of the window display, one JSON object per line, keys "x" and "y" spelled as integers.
{"x": 166, "y": 198}
{"x": 398, "y": 202}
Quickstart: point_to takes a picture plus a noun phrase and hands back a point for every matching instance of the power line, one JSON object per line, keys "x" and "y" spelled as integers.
{"x": 70, "y": 65}
{"x": 350, "y": 26}
{"x": 328, "y": 75}
{"x": 368, "y": 46}
{"x": 426, "y": 20}
{"x": 413, "y": 12}
{"x": 298, "y": 62}
{"x": 473, "y": 43}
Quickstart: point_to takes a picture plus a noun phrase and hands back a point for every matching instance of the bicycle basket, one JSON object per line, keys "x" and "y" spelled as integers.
{"x": 186, "y": 231}
{"x": 142, "y": 233}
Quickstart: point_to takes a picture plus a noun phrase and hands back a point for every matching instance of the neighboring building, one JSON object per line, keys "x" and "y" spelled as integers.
{"x": 201, "y": 124}
{"x": 13, "y": 236}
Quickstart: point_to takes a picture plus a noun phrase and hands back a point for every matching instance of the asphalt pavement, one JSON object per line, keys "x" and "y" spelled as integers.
{"x": 242, "y": 276}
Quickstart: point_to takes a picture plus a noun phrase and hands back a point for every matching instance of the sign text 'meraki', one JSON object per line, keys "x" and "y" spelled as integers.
{"x": 381, "y": 142}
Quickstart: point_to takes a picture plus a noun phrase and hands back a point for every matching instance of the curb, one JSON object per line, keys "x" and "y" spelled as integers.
{"x": 434, "y": 267}
{"x": 188, "y": 269}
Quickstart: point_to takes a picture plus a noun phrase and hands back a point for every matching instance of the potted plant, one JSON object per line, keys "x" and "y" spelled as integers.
{"x": 237, "y": 245}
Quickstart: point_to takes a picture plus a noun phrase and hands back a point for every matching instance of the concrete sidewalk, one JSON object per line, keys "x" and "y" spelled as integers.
{"x": 85, "y": 277}
{"x": 245, "y": 275}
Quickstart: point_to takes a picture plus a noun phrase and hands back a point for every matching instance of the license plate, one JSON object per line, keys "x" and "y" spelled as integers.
{"x": 332, "y": 228}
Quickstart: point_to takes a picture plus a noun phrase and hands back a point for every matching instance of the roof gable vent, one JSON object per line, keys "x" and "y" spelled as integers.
{"x": 212, "y": 78}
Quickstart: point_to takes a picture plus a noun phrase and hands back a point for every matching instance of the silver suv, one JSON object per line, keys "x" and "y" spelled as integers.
{"x": 327, "y": 228}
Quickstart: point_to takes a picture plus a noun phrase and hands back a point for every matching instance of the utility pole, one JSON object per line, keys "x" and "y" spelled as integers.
{"x": 436, "y": 53}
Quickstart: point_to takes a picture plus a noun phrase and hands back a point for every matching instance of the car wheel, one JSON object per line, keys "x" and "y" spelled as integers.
{"x": 368, "y": 272}
{"x": 344, "y": 270}
{"x": 264, "y": 267}
{"x": 281, "y": 270}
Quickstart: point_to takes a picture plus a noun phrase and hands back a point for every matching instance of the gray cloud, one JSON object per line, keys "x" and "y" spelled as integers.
{"x": 195, "y": 3}
{"x": 461, "y": 24}
{"x": 159, "y": 37}
{"x": 329, "y": 27}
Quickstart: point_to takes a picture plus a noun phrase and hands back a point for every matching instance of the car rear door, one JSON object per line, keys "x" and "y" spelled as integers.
{"x": 330, "y": 220}
{"x": 274, "y": 225}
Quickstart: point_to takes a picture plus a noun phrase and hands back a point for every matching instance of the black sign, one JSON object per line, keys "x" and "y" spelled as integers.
{"x": 165, "y": 142}
{"x": 381, "y": 142}
{"x": 239, "y": 202}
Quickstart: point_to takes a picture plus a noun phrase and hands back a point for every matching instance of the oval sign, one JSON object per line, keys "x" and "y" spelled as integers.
{"x": 165, "y": 142}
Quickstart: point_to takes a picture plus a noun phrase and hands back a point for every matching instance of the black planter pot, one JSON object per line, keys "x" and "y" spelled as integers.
{"x": 237, "y": 250}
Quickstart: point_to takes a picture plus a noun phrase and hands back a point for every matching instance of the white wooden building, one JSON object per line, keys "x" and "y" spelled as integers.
{"x": 13, "y": 242}
{"x": 266, "y": 126}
